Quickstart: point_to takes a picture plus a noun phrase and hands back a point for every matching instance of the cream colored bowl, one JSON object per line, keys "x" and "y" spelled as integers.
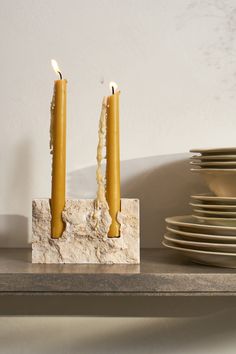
{"x": 222, "y": 182}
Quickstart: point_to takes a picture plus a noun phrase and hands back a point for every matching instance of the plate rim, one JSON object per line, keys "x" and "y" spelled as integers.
{"x": 213, "y": 157}
{"x": 200, "y": 243}
{"x": 212, "y": 150}
{"x": 211, "y": 212}
{"x": 206, "y": 196}
{"x": 216, "y": 219}
{"x": 212, "y": 163}
{"x": 200, "y": 252}
{"x": 201, "y": 226}
{"x": 210, "y": 170}
{"x": 213, "y": 206}
{"x": 193, "y": 234}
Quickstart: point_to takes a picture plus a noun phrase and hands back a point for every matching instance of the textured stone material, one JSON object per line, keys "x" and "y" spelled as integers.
{"x": 161, "y": 272}
{"x": 85, "y": 237}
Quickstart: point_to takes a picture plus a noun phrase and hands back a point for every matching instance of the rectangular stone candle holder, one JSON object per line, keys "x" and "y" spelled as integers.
{"x": 85, "y": 238}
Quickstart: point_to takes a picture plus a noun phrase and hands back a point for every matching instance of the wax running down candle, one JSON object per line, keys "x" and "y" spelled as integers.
{"x": 58, "y": 151}
{"x": 101, "y": 145}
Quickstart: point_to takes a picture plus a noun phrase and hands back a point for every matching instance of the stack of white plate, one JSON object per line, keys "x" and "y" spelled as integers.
{"x": 208, "y": 236}
{"x": 202, "y": 243}
{"x": 214, "y": 210}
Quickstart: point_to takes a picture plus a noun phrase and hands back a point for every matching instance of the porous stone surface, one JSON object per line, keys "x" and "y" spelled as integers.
{"x": 85, "y": 237}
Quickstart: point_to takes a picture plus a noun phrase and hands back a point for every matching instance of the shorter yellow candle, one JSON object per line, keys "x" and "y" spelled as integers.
{"x": 113, "y": 161}
{"x": 58, "y": 150}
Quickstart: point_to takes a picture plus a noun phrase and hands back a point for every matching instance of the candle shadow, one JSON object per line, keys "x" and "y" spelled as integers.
{"x": 162, "y": 183}
{"x": 17, "y": 198}
{"x": 13, "y": 231}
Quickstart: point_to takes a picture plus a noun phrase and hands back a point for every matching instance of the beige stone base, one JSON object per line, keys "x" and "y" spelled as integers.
{"x": 85, "y": 237}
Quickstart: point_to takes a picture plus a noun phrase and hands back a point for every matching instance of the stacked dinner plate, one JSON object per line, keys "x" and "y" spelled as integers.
{"x": 208, "y": 236}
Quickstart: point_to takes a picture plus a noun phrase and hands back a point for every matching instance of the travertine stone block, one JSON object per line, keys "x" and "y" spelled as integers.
{"x": 85, "y": 237}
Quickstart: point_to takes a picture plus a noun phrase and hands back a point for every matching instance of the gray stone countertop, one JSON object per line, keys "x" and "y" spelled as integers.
{"x": 161, "y": 272}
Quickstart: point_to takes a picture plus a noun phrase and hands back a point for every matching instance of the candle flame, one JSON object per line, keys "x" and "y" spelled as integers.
{"x": 113, "y": 86}
{"x": 56, "y": 67}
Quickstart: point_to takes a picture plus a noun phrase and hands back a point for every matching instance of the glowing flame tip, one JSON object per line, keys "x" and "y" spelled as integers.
{"x": 55, "y": 66}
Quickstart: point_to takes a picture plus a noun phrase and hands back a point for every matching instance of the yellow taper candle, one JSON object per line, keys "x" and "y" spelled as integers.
{"x": 113, "y": 160}
{"x": 58, "y": 150}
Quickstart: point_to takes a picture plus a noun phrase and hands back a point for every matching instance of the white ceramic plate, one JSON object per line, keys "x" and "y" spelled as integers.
{"x": 216, "y": 151}
{"x": 212, "y": 247}
{"x": 216, "y": 221}
{"x": 219, "y": 259}
{"x": 214, "y": 157}
{"x": 201, "y": 237}
{"x": 215, "y": 213}
{"x": 215, "y": 170}
{"x": 192, "y": 224}
{"x": 206, "y": 198}
{"x": 216, "y": 164}
{"x": 214, "y": 207}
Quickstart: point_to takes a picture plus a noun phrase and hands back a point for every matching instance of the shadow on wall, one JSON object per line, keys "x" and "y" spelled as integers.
{"x": 17, "y": 197}
{"x": 162, "y": 183}
{"x": 13, "y": 231}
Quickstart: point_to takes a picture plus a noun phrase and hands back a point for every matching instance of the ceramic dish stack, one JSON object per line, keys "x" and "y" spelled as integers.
{"x": 208, "y": 236}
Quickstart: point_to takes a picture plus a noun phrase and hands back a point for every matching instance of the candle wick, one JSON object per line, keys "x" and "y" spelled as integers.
{"x": 113, "y": 90}
{"x": 60, "y": 74}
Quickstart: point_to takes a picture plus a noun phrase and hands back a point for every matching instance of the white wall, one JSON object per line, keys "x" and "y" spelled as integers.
{"x": 174, "y": 61}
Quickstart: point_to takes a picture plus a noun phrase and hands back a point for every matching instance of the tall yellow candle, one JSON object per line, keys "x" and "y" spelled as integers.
{"x": 113, "y": 160}
{"x": 58, "y": 150}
